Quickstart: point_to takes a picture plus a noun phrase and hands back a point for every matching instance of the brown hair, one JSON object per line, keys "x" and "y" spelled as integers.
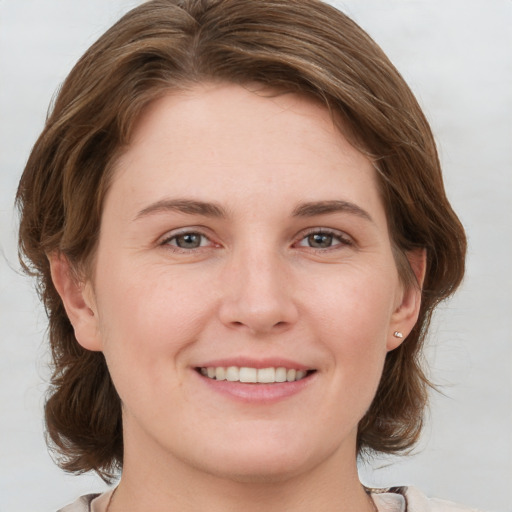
{"x": 302, "y": 46}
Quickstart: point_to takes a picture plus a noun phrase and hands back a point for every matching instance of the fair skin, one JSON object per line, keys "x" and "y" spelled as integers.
{"x": 241, "y": 230}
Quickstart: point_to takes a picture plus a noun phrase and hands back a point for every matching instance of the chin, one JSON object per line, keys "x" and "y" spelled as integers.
{"x": 263, "y": 462}
{"x": 258, "y": 472}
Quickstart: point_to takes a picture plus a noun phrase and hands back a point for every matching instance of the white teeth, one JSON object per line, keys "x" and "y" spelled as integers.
{"x": 232, "y": 374}
{"x": 281, "y": 375}
{"x": 266, "y": 375}
{"x": 253, "y": 375}
{"x": 290, "y": 375}
{"x": 248, "y": 375}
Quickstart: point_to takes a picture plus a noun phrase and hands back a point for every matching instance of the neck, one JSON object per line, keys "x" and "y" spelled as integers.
{"x": 150, "y": 482}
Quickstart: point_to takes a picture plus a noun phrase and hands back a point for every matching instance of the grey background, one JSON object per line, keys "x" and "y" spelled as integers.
{"x": 456, "y": 55}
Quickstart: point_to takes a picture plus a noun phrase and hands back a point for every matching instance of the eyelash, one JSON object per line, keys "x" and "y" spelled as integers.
{"x": 342, "y": 239}
{"x": 168, "y": 241}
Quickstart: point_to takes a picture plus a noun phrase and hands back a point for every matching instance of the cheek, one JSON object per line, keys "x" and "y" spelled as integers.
{"x": 356, "y": 302}
{"x": 147, "y": 320}
{"x": 147, "y": 333}
{"x": 352, "y": 317}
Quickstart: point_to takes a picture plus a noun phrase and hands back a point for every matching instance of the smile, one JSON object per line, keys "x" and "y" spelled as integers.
{"x": 253, "y": 375}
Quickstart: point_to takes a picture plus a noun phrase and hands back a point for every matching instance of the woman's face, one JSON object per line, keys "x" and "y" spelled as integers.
{"x": 243, "y": 238}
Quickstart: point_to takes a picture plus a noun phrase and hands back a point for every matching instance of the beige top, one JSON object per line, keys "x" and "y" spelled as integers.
{"x": 404, "y": 499}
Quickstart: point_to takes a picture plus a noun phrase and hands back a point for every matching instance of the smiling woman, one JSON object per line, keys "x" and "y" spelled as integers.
{"x": 242, "y": 295}
{"x": 231, "y": 215}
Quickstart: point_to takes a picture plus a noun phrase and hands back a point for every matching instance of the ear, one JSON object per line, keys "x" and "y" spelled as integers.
{"x": 406, "y": 313}
{"x": 78, "y": 300}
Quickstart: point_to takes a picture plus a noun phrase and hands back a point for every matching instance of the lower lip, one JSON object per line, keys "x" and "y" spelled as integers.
{"x": 258, "y": 393}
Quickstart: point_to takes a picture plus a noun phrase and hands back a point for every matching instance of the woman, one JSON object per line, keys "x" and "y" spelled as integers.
{"x": 237, "y": 219}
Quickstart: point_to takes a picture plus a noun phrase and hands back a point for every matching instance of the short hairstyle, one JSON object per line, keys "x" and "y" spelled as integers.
{"x": 300, "y": 46}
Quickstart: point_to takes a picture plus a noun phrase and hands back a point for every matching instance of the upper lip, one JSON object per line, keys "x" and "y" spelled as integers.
{"x": 246, "y": 362}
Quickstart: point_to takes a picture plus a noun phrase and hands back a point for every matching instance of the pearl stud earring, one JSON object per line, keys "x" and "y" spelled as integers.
{"x": 398, "y": 334}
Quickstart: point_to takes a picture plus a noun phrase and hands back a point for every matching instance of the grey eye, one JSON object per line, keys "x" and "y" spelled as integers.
{"x": 188, "y": 240}
{"x": 320, "y": 240}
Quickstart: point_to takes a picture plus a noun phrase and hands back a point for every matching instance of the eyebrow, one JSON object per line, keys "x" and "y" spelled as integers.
{"x": 207, "y": 209}
{"x": 312, "y": 209}
{"x": 189, "y": 206}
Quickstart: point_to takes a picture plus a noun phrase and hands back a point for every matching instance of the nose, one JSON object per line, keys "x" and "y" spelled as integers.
{"x": 258, "y": 294}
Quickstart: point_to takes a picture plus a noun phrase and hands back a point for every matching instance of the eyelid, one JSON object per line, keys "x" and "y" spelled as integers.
{"x": 170, "y": 235}
{"x": 344, "y": 238}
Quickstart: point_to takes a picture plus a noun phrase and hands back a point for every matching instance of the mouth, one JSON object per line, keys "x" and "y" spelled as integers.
{"x": 248, "y": 375}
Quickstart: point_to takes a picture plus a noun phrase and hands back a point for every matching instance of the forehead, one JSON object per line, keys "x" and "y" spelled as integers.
{"x": 232, "y": 112}
{"x": 218, "y": 139}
